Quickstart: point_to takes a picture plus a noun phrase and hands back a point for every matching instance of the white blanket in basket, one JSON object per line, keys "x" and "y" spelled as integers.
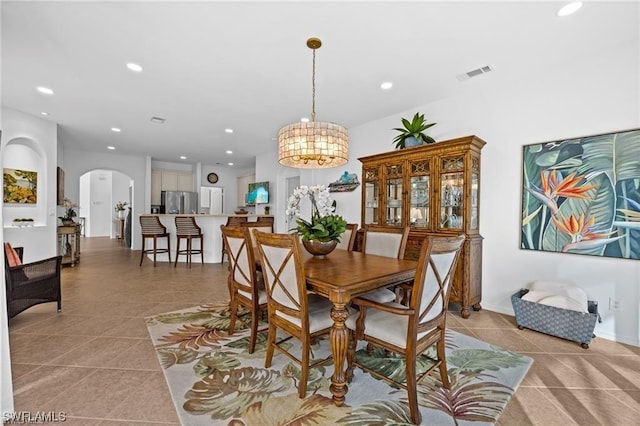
{"x": 558, "y": 294}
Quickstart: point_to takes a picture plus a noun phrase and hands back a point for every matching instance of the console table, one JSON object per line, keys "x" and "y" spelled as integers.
{"x": 69, "y": 244}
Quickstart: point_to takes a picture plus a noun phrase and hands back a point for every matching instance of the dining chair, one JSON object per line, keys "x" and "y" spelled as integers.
{"x": 411, "y": 330}
{"x": 245, "y": 284}
{"x": 388, "y": 242}
{"x": 348, "y": 237}
{"x": 231, "y": 221}
{"x": 290, "y": 308}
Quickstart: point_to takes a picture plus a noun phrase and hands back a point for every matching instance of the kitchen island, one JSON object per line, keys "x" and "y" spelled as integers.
{"x": 210, "y": 225}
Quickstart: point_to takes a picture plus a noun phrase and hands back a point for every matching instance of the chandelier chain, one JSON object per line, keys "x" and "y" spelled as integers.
{"x": 313, "y": 90}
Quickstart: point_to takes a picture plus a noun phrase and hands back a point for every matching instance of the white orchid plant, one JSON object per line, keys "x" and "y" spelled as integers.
{"x": 324, "y": 225}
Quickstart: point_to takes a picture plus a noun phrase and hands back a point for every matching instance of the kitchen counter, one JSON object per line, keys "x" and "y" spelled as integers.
{"x": 212, "y": 237}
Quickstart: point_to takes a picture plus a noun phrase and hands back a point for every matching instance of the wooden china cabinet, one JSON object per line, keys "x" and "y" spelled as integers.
{"x": 434, "y": 189}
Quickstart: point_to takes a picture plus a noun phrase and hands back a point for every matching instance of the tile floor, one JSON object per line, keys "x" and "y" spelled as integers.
{"x": 95, "y": 362}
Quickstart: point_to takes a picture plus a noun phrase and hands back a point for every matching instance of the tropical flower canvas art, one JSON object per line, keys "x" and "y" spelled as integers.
{"x": 582, "y": 195}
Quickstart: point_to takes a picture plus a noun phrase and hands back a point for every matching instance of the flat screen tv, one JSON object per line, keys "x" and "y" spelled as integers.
{"x": 258, "y": 193}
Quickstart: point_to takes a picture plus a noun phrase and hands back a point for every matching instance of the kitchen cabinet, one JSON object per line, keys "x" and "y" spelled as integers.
{"x": 156, "y": 186}
{"x": 169, "y": 180}
{"x": 434, "y": 189}
{"x": 185, "y": 182}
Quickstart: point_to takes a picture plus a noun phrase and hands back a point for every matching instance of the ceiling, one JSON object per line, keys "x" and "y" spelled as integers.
{"x": 212, "y": 65}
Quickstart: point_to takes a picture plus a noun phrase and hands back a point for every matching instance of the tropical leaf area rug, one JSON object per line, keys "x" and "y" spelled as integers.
{"x": 215, "y": 381}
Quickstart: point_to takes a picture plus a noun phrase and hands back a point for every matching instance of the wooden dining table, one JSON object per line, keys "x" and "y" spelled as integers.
{"x": 341, "y": 276}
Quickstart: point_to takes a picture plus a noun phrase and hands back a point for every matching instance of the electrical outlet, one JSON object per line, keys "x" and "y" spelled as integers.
{"x": 615, "y": 305}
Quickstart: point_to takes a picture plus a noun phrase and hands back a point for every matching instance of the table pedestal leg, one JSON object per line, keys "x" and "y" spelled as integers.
{"x": 339, "y": 336}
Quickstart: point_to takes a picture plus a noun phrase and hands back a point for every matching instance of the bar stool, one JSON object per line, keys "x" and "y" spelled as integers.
{"x": 234, "y": 221}
{"x": 152, "y": 228}
{"x": 186, "y": 228}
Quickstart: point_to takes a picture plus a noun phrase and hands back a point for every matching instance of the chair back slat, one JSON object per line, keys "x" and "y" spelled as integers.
{"x": 150, "y": 225}
{"x": 383, "y": 241}
{"x": 186, "y": 225}
{"x": 236, "y": 220}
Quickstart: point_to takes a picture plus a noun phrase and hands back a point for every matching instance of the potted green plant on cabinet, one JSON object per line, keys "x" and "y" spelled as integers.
{"x": 412, "y": 134}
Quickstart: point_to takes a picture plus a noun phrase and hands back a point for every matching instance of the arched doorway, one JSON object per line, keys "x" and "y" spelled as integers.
{"x": 100, "y": 191}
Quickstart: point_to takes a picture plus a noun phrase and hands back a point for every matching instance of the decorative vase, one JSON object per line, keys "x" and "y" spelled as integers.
{"x": 121, "y": 214}
{"x": 411, "y": 141}
{"x": 319, "y": 249}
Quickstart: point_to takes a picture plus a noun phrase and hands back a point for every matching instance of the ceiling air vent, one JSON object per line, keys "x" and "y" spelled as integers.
{"x": 158, "y": 120}
{"x": 475, "y": 73}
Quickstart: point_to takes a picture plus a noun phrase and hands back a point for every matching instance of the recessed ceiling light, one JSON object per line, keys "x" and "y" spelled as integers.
{"x": 229, "y": 151}
{"x": 231, "y": 164}
{"x": 111, "y": 147}
{"x": 115, "y": 129}
{"x": 228, "y": 130}
{"x": 569, "y": 9}
{"x": 304, "y": 119}
{"x": 134, "y": 67}
{"x": 386, "y": 85}
{"x": 44, "y": 90}
{"x": 44, "y": 113}
{"x": 182, "y": 157}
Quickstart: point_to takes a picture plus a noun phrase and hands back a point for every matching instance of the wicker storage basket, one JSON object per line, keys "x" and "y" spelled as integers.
{"x": 564, "y": 323}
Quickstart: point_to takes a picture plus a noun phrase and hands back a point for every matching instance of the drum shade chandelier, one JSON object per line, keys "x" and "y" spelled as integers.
{"x": 314, "y": 144}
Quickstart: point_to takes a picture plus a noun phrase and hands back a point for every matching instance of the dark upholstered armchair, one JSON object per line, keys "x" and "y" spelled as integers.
{"x": 32, "y": 283}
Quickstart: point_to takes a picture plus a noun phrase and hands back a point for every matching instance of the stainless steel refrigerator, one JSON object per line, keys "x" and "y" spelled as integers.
{"x": 178, "y": 202}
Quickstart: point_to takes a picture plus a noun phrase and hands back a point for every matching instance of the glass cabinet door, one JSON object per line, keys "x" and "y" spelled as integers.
{"x": 474, "y": 201}
{"x": 371, "y": 199}
{"x": 393, "y": 214}
{"x": 452, "y": 193}
{"x": 451, "y": 200}
{"x": 394, "y": 196}
{"x": 419, "y": 214}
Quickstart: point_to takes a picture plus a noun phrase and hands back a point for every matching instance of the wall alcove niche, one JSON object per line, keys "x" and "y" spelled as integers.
{"x": 26, "y": 154}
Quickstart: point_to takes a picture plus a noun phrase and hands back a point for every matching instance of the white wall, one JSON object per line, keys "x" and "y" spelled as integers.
{"x": 40, "y": 136}
{"x": 579, "y": 97}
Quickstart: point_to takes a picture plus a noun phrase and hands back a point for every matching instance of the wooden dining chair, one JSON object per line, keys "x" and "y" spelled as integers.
{"x": 348, "y": 237}
{"x": 231, "y": 221}
{"x": 411, "y": 330}
{"x": 290, "y": 308}
{"x": 388, "y": 242}
{"x": 245, "y": 284}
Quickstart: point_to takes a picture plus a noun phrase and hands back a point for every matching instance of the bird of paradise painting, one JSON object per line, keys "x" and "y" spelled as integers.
{"x": 582, "y": 195}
